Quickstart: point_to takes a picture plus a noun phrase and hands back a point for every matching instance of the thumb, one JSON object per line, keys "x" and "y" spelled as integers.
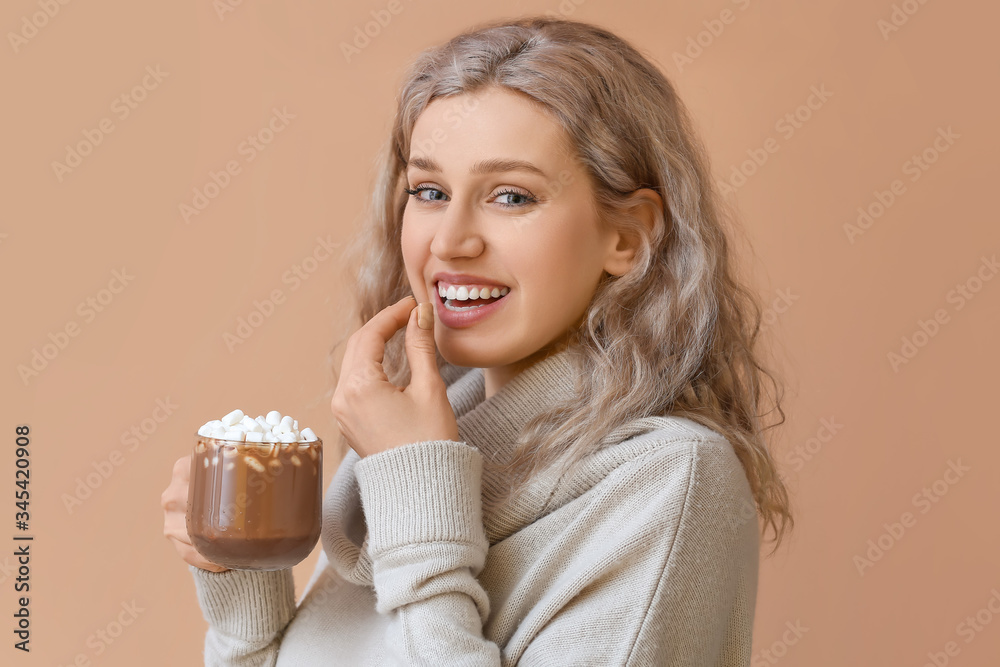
{"x": 420, "y": 346}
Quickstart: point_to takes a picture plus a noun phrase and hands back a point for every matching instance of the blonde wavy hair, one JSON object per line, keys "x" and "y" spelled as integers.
{"x": 676, "y": 335}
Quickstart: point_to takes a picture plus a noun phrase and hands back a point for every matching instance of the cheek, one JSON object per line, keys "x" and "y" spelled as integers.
{"x": 409, "y": 243}
{"x": 557, "y": 258}
{"x": 415, "y": 250}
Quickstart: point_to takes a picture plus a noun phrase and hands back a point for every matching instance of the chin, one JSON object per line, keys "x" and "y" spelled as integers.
{"x": 458, "y": 355}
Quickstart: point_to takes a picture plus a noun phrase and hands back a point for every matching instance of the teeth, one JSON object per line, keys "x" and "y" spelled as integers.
{"x": 464, "y": 293}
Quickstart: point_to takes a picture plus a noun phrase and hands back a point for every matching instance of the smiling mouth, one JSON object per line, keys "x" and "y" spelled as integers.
{"x": 468, "y": 304}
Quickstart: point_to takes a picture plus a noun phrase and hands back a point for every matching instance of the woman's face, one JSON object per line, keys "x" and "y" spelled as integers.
{"x": 540, "y": 238}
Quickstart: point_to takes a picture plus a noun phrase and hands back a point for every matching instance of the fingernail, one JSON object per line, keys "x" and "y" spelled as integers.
{"x": 425, "y": 315}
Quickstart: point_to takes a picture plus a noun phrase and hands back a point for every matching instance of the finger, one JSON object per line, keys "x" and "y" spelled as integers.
{"x": 372, "y": 337}
{"x": 175, "y": 526}
{"x": 191, "y": 556}
{"x": 175, "y": 530}
{"x": 421, "y": 349}
{"x": 182, "y": 468}
{"x": 175, "y": 496}
{"x": 174, "y": 500}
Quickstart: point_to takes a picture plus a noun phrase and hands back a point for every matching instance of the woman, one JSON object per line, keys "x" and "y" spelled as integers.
{"x": 572, "y": 473}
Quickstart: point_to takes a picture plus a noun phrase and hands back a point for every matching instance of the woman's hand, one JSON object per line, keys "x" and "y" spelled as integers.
{"x": 174, "y": 501}
{"x": 375, "y": 415}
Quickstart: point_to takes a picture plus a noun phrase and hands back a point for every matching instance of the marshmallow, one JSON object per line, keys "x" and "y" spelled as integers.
{"x": 273, "y": 428}
{"x": 210, "y": 427}
{"x": 232, "y": 418}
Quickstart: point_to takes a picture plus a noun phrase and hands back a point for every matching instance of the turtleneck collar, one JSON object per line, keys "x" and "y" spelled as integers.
{"x": 492, "y": 426}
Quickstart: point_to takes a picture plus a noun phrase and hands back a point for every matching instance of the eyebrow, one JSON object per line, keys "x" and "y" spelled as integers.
{"x": 489, "y": 166}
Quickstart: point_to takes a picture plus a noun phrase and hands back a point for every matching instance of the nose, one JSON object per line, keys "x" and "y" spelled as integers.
{"x": 457, "y": 233}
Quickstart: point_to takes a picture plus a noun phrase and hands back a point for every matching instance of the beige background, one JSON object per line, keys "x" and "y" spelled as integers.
{"x": 837, "y": 308}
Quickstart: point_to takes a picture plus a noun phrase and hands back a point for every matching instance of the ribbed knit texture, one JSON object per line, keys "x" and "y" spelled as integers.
{"x": 648, "y": 555}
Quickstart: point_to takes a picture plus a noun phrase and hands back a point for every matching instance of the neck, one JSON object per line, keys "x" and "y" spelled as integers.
{"x": 495, "y": 378}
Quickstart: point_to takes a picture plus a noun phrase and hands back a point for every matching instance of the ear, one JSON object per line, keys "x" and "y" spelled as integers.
{"x": 646, "y": 209}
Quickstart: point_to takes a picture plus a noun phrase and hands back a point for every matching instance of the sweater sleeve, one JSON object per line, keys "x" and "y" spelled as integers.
{"x": 427, "y": 542}
{"x": 247, "y": 613}
{"x": 658, "y": 571}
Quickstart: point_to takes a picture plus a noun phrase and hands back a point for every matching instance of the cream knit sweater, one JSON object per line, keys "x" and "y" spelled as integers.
{"x": 647, "y": 556}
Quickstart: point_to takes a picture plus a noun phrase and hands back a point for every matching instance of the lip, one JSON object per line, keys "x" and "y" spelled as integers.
{"x": 464, "y": 279}
{"x": 465, "y": 318}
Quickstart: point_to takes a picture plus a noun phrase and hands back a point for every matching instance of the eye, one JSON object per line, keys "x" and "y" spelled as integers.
{"x": 416, "y": 192}
{"x": 521, "y": 199}
{"x": 525, "y": 198}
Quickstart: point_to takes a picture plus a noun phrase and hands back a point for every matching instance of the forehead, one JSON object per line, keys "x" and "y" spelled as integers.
{"x": 458, "y": 130}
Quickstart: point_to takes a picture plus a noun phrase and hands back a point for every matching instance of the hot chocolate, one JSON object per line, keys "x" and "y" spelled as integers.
{"x": 255, "y": 505}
